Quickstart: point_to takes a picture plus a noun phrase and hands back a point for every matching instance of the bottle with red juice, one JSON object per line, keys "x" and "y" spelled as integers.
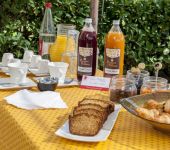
{"x": 87, "y": 50}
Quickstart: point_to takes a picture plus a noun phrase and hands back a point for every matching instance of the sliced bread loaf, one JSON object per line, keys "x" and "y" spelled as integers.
{"x": 91, "y": 111}
{"x": 108, "y": 105}
{"x": 84, "y": 124}
{"x": 92, "y": 106}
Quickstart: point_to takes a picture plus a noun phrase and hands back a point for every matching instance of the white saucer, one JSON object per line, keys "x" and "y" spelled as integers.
{"x": 5, "y": 83}
{"x": 36, "y": 72}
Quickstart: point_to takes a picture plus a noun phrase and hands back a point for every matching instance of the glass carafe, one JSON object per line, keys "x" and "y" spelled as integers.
{"x": 70, "y": 54}
{"x": 57, "y": 49}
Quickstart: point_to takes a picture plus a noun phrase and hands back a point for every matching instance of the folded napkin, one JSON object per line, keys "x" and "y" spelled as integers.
{"x": 36, "y": 100}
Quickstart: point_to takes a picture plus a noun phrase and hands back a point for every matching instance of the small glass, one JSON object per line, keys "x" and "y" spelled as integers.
{"x": 122, "y": 87}
{"x": 138, "y": 78}
{"x": 152, "y": 84}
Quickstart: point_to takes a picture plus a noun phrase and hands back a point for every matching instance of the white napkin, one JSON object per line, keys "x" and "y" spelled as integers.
{"x": 36, "y": 100}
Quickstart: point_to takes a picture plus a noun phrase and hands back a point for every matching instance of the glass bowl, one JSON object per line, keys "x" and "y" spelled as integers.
{"x": 47, "y": 84}
{"x": 131, "y": 103}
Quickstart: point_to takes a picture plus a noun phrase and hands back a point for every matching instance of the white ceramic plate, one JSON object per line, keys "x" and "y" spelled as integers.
{"x": 101, "y": 136}
{"x": 68, "y": 82}
{"x": 37, "y": 73}
{"x": 6, "y": 84}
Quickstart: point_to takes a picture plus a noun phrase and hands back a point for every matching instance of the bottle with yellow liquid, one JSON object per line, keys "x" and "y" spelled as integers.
{"x": 56, "y": 50}
{"x": 114, "y": 51}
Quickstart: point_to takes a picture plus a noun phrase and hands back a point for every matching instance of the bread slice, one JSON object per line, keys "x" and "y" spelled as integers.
{"x": 93, "y": 106}
{"x": 84, "y": 124}
{"x": 108, "y": 105}
{"x": 91, "y": 111}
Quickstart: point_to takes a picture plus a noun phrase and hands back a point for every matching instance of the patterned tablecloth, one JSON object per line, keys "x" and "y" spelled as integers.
{"x": 34, "y": 130}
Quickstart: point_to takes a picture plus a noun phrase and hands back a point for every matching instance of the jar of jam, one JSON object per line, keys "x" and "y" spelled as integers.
{"x": 152, "y": 84}
{"x": 122, "y": 87}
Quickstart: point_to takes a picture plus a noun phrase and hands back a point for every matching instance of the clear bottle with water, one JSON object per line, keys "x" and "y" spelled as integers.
{"x": 47, "y": 33}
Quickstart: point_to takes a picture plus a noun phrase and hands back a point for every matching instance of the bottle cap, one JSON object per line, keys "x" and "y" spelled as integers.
{"x": 88, "y": 20}
{"x": 116, "y": 22}
{"x": 48, "y": 5}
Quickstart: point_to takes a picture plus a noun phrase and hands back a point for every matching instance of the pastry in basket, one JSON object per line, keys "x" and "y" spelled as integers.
{"x": 167, "y": 106}
{"x": 89, "y": 116}
{"x": 155, "y": 111}
{"x": 152, "y": 104}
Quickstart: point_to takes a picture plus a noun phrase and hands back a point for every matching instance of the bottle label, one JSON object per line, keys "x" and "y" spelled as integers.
{"x": 85, "y": 60}
{"x": 44, "y": 47}
{"x": 112, "y": 61}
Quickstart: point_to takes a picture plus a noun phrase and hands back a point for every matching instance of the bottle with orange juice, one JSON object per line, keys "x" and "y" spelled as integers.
{"x": 114, "y": 51}
{"x": 56, "y": 50}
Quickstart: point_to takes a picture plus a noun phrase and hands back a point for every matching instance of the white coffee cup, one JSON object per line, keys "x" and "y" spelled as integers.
{"x": 18, "y": 72}
{"x": 58, "y": 70}
{"x": 43, "y": 66}
{"x": 35, "y": 61}
{"x": 28, "y": 56}
{"x": 14, "y": 60}
{"x": 6, "y": 58}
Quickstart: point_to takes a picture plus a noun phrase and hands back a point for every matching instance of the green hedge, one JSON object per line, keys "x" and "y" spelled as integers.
{"x": 145, "y": 23}
{"x": 20, "y": 21}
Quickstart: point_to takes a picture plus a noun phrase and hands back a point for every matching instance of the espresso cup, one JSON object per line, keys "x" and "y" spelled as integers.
{"x": 15, "y": 61}
{"x": 28, "y": 56}
{"x": 18, "y": 72}
{"x": 58, "y": 70}
{"x": 6, "y": 58}
{"x": 35, "y": 61}
{"x": 43, "y": 66}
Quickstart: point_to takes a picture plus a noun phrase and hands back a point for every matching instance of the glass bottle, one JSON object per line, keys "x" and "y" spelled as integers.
{"x": 152, "y": 84}
{"x": 70, "y": 54}
{"x": 122, "y": 87}
{"x": 57, "y": 49}
{"x": 114, "y": 51}
{"x": 47, "y": 32}
{"x": 87, "y": 50}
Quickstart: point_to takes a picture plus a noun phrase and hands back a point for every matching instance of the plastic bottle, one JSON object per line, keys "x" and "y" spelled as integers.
{"x": 114, "y": 51}
{"x": 47, "y": 33}
{"x": 87, "y": 50}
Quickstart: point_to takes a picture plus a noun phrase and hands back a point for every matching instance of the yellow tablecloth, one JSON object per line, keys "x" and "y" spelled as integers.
{"x": 34, "y": 130}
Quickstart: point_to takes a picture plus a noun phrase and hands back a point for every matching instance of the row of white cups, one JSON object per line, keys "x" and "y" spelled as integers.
{"x": 18, "y": 69}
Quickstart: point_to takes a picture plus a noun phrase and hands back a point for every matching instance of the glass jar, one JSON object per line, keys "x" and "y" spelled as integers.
{"x": 122, "y": 87}
{"x": 59, "y": 46}
{"x": 138, "y": 78}
{"x": 153, "y": 84}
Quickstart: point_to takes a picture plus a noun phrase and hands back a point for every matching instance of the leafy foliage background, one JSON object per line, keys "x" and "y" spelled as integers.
{"x": 145, "y": 23}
